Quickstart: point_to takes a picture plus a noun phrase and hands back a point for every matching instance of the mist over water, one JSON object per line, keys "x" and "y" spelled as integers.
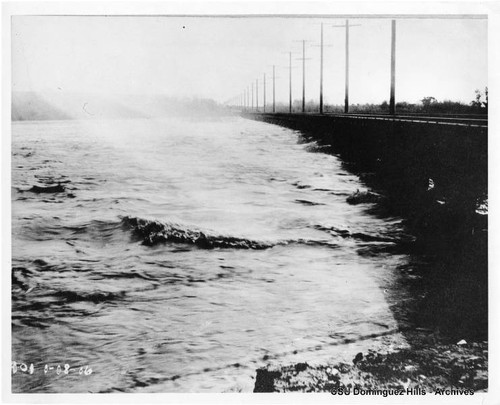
{"x": 64, "y": 105}
{"x": 185, "y": 253}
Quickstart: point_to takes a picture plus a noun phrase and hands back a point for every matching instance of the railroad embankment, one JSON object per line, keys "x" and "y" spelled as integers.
{"x": 434, "y": 175}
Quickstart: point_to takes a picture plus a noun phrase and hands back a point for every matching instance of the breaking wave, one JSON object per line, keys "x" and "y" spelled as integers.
{"x": 153, "y": 232}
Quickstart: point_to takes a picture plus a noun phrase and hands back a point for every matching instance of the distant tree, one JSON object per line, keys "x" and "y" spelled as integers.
{"x": 428, "y": 101}
{"x": 428, "y": 105}
{"x": 405, "y": 107}
{"x": 479, "y": 102}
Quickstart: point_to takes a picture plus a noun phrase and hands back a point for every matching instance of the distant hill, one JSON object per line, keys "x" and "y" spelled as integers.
{"x": 29, "y": 106}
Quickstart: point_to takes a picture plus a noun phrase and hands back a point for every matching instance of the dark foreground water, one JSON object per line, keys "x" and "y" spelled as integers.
{"x": 183, "y": 255}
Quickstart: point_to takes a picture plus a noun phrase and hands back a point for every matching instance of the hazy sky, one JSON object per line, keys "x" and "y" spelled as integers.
{"x": 219, "y": 57}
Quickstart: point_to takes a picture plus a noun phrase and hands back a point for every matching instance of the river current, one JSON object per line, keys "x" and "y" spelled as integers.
{"x": 182, "y": 255}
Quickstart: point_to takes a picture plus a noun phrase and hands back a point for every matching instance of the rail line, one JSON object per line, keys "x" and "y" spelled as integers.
{"x": 467, "y": 121}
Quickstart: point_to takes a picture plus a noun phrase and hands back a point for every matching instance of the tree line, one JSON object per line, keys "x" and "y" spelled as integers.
{"x": 428, "y": 105}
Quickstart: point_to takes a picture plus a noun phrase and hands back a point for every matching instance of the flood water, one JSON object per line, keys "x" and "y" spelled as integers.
{"x": 184, "y": 254}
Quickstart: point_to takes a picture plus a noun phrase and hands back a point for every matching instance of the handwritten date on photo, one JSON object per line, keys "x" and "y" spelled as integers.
{"x": 47, "y": 369}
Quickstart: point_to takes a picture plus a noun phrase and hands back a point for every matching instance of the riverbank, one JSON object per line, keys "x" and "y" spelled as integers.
{"x": 420, "y": 370}
{"x": 436, "y": 180}
{"x": 444, "y": 323}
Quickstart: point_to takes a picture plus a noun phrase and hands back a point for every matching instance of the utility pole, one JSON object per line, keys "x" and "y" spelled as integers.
{"x": 392, "y": 103}
{"x": 290, "y": 67}
{"x": 321, "y": 71}
{"x": 346, "y": 101}
{"x": 303, "y": 74}
{"x": 290, "y": 86}
{"x": 257, "y": 95}
{"x": 264, "y": 92}
{"x": 248, "y": 97}
{"x": 347, "y": 26}
{"x": 252, "y": 97}
{"x": 321, "y": 75}
{"x": 274, "y": 89}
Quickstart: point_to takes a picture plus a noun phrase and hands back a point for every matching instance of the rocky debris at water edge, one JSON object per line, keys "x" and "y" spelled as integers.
{"x": 434, "y": 369}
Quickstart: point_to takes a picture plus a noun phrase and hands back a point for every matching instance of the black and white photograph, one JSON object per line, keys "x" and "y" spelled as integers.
{"x": 247, "y": 199}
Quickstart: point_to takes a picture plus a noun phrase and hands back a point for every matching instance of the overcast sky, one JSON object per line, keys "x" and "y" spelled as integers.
{"x": 219, "y": 57}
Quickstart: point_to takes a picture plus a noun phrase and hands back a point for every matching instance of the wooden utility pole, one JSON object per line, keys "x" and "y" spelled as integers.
{"x": 264, "y": 92}
{"x": 274, "y": 88}
{"x": 303, "y": 59}
{"x": 347, "y": 27}
{"x": 321, "y": 75}
{"x": 303, "y": 76}
{"x": 252, "y": 97}
{"x": 392, "y": 103}
{"x": 257, "y": 95}
{"x": 290, "y": 86}
{"x": 346, "y": 101}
